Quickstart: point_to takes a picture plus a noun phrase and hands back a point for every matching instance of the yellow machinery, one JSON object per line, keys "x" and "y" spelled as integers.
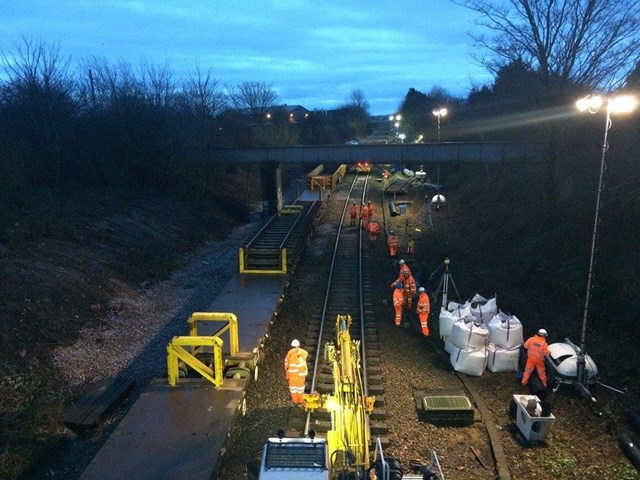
{"x": 348, "y": 440}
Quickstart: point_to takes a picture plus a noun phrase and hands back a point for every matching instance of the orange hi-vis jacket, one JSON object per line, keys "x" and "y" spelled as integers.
{"x": 537, "y": 348}
{"x": 392, "y": 242}
{"x": 373, "y": 228}
{"x": 353, "y": 211}
{"x": 424, "y": 305}
{"x": 295, "y": 363}
{"x": 410, "y": 288}
{"x": 364, "y": 212}
{"x": 403, "y": 269}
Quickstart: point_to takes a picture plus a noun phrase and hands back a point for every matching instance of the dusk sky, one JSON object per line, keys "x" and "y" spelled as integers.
{"x": 311, "y": 53}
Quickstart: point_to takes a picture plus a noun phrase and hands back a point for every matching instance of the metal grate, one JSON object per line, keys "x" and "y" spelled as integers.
{"x": 446, "y": 402}
{"x": 296, "y": 455}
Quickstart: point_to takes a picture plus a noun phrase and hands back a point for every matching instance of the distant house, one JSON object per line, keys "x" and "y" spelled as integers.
{"x": 294, "y": 113}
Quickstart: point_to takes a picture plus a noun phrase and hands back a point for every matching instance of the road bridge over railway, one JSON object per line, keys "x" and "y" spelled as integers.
{"x": 446, "y": 152}
{"x": 270, "y": 158}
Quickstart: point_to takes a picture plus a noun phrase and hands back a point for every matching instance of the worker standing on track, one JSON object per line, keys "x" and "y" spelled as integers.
{"x": 295, "y": 369}
{"x": 373, "y": 229}
{"x": 537, "y": 349}
{"x": 370, "y": 211}
{"x": 410, "y": 289}
{"x": 353, "y": 214}
{"x": 404, "y": 268}
{"x": 392, "y": 243}
{"x": 423, "y": 308}
{"x": 364, "y": 215}
{"x": 398, "y": 302}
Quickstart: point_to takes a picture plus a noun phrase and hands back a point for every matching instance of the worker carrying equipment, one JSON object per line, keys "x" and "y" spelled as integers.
{"x": 295, "y": 369}
{"x": 537, "y": 349}
{"x": 423, "y": 308}
{"x": 398, "y": 302}
{"x": 392, "y": 243}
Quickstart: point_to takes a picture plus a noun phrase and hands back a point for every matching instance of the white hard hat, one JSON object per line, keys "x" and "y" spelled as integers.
{"x": 421, "y": 289}
{"x": 401, "y": 262}
{"x": 542, "y": 332}
{"x": 295, "y": 343}
{"x": 391, "y": 232}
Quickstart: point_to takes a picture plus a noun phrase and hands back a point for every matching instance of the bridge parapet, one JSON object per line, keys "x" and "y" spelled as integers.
{"x": 419, "y": 153}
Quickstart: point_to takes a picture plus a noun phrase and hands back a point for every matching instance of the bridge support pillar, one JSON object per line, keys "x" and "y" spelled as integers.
{"x": 271, "y": 181}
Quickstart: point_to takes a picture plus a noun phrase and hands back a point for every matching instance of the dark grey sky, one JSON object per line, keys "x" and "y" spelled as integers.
{"x": 313, "y": 53}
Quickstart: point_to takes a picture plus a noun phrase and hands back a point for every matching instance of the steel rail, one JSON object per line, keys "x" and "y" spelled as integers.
{"x": 326, "y": 303}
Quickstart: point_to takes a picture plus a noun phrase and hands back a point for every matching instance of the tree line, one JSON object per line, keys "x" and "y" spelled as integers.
{"x": 94, "y": 124}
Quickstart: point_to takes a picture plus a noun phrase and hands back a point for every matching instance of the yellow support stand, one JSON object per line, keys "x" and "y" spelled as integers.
{"x": 186, "y": 348}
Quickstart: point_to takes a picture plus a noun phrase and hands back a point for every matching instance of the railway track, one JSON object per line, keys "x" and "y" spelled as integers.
{"x": 347, "y": 293}
{"x": 276, "y": 246}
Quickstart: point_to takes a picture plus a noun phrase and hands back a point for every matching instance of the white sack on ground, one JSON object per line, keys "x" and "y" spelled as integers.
{"x": 448, "y": 318}
{"x": 502, "y": 359}
{"x": 483, "y": 309}
{"x": 471, "y": 363}
{"x": 505, "y": 331}
{"x": 466, "y": 334}
{"x": 447, "y": 344}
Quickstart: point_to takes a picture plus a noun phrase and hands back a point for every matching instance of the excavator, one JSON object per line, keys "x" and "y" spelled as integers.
{"x": 344, "y": 453}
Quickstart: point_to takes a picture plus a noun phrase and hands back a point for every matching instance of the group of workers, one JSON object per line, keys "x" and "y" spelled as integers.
{"x": 404, "y": 290}
{"x": 364, "y": 213}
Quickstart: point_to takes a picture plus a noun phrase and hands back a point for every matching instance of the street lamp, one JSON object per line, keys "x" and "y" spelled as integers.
{"x": 396, "y": 119}
{"x": 593, "y": 104}
{"x": 439, "y": 112}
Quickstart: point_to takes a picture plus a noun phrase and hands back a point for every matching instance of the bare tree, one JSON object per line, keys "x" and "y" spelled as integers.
{"x": 591, "y": 43}
{"x": 255, "y": 97}
{"x": 38, "y": 93}
{"x": 357, "y": 99}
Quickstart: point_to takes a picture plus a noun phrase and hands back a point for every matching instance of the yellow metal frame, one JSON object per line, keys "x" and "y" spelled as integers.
{"x": 283, "y": 264}
{"x": 185, "y": 348}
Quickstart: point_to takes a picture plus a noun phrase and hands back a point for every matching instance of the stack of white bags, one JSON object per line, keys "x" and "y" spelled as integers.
{"x": 478, "y": 336}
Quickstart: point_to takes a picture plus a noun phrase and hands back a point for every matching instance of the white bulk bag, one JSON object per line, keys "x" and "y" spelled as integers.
{"x": 483, "y": 309}
{"x": 505, "y": 331}
{"x": 502, "y": 359}
{"x": 466, "y": 334}
{"x": 447, "y": 344}
{"x": 448, "y": 318}
{"x": 471, "y": 363}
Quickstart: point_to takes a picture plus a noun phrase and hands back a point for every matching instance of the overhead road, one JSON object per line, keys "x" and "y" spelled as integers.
{"x": 419, "y": 153}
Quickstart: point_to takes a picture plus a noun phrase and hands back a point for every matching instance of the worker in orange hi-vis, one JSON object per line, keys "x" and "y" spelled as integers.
{"x": 404, "y": 268}
{"x": 295, "y": 369}
{"x": 373, "y": 229}
{"x": 410, "y": 289}
{"x": 353, "y": 214}
{"x": 370, "y": 210}
{"x": 398, "y": 302}
{"x": 392, "y": 243}
{"x": 364, "y": 215}
{"x": 537, "y": 349}
{"x": 423, "y": 308}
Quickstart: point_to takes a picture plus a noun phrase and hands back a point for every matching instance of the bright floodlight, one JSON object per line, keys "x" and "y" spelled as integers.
{"x": 440, "y": 112}
{"x": 619, "y": 104}
{"x": 622, "y": 104}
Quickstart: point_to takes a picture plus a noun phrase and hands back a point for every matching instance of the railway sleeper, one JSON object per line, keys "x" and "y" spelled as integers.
{"x": 378, "y": 428}
{"x": 374, "y": 380}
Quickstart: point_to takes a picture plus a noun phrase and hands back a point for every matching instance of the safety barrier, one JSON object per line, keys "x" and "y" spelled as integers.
{"x": 317, "y": 180}
{"x": 186, "y": 348}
